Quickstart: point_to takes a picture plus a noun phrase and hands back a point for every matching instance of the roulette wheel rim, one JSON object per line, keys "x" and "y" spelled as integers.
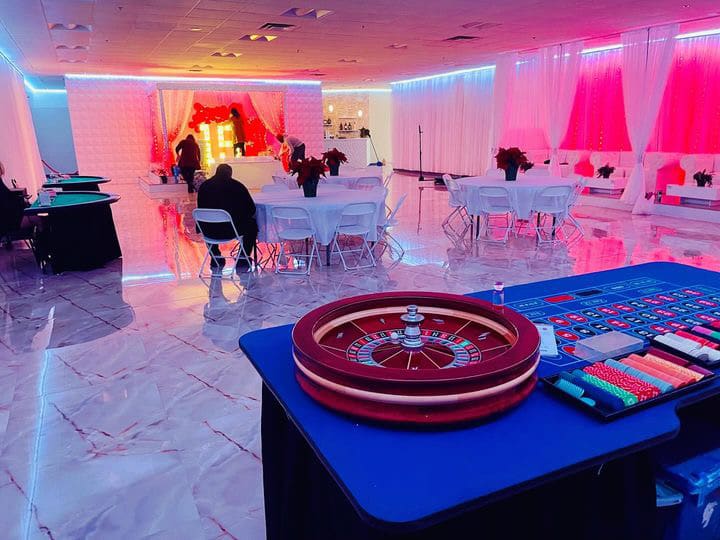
{"x": 447, "y": 394}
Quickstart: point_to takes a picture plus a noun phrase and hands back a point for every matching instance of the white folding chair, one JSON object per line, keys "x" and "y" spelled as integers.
{"x": 267, "y": 188}
{"x": 495, "y": 202}
{"x": 293, "y": 224}
{"x": 356, "y": 220}
{"x": 387, "y": 240}
{"x": 386, "y": 182}
{"x": 579, "y": 188}
{"x": 554, "y": 202}
{"x": 457, "y": 204}
{"x": 286, "y": 180}
{"x": 368, "y": 182}
{"x": 204, "y": 216}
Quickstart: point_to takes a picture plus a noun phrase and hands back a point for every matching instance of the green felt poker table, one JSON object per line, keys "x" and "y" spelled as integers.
{"x": 76, "y": 231}
{"x": 76, "y": 183}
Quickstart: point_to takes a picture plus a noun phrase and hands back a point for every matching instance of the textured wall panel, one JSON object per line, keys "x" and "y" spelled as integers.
{"x": 303, "y": 116}
{"x": 111, "y": 127}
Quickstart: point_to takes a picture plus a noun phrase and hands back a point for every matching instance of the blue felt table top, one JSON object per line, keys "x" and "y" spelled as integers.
{"x": 404, "y": 477}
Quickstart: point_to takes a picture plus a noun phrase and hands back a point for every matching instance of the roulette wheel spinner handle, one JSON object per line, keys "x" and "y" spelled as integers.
{"x": 412, "y": 335}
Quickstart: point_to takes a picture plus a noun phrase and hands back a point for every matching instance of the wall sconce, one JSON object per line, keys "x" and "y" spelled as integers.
{"x": 331, "y": 108}
{"x": 360, "y": 113}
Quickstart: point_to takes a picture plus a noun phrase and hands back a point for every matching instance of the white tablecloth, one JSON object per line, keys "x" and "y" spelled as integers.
{"x": 521, "y": 192}
{"x": 325, "y": 209}
{"x": 350, "y": 179}
{"x": 254, "y": 172}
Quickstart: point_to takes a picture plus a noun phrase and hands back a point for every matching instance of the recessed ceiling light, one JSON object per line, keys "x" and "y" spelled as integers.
{"x": 70, "y": 27}
{"x": 195, "y": 29}
{"x": 66, "y": 61}
{"x": 282, "y": 27}
{"x": 479, "y": 25}
{"x": 397, "y": 46}
{"x": 461, "y": 38}
{"x": 307, "y": 13}
{"x": 221, "y": 54}
{"x": 686, "y": 5}
{"x": 257, "y": 37}
{"x": 348, "y": 60}
{"x": 73, "y": 48}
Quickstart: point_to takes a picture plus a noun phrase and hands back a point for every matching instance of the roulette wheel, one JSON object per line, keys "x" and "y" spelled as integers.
{"x": 416, "y": 357}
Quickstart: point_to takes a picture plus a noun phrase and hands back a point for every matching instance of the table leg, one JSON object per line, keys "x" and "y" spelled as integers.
{"x": 419, "y": 207}
{"x": 327, "y": 255}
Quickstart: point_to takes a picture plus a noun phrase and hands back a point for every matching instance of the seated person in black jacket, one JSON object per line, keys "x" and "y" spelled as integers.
{"x": 12, "y": 206}
{"x": 223, "y": 192}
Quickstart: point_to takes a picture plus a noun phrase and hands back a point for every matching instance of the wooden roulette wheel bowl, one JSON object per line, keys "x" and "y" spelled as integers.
{"x": 416, "y": 357}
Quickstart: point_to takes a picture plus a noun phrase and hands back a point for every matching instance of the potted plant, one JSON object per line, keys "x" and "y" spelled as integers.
{"x": 333, "y": 158}
{"x": 605, "y": 171}
{"x": 309, "y": 171}
{"x": 510, "y": 159}
{"x": 525, "y": 167}
{"x": 703, "y": 178}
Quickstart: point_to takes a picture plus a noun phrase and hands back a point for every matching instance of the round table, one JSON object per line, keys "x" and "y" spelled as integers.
{"x": 77, "y": 231}
{"x": 325, "y": 210}
{"x": 521, "y": 192}
{"x": 76, "y": 183}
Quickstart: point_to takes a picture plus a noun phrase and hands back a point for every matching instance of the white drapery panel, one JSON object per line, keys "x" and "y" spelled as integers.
{"x": 177, "y": 108}
{"x": 269, "y": 107}
{"x": 20, "y": 153}
{"x": 559, "y": 70}
{"x": 503, "y": 83}
{"x": 646, "y": 59}
{"x": 455, "y": 113}
{"x": 525, "y": 110}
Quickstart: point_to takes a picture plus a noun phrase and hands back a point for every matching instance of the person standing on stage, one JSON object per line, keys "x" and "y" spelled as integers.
{"x": 296, "y": 146}
{"x": 188, "y": 159}
{"x": 238, "y": 131}
{"x": 224, "y": 192}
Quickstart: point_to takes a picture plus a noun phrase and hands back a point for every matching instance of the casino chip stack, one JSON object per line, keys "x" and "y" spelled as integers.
{"x": 635, "y": 386}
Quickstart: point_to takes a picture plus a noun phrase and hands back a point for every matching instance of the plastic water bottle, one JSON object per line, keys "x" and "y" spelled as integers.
{"x": 498, "y": 296}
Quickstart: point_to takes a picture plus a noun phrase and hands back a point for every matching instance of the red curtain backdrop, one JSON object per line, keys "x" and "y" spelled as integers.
{"x": 597, "y": 121}
{"x": 689, "y": 119}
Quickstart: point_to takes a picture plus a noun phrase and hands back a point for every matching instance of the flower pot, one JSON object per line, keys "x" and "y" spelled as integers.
{"x": 334, "y": 168}
{"x": 309, "y": 187}
{"x": 702, "y": 182}
{"x": 511, "y": 173}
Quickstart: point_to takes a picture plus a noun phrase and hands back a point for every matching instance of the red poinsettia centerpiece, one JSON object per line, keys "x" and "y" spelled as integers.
{"x": 510, "y": 157}
{"x": 334, "y": 156}
{"x": 510, "y": 160}
{"x": 309, "y": 171}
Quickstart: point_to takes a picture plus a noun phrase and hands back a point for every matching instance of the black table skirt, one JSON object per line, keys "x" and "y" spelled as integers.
{"x": 89, "y": 186}
{"x": 79, "y": 238}
{"x": 303, "y": 502}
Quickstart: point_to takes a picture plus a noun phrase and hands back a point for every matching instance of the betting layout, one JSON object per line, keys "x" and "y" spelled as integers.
{"x": 644, "y": 307}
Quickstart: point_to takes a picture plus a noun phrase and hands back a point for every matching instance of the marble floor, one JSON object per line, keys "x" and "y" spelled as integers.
{"x": 127, "y": 410}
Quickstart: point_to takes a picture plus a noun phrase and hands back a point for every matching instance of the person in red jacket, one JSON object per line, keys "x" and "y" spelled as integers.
{"x": 188, "y": 159}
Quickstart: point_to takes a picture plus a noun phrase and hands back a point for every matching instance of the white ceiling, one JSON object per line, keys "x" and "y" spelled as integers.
{"x": 349, "y": 46}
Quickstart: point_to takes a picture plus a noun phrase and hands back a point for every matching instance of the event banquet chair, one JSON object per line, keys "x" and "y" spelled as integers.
{"x": 293, "y": 225}
{"x": 579, "y": 188}
{"x": 494, "y": 202}
{"x": 267, "y": 188}
{"x": 553, "y": 202}
{"x": 367, "y": 182}
{"x": 537, "y": 172}
{"x": 387, "y": 240}
{"x": 356, "y": 220}
{"x": 203, "y": 216}
{"x": 286, "y": 180}
{"x": 459, "y": 210}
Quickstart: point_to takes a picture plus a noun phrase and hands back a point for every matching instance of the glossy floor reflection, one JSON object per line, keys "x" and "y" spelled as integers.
{"x": 126, "y": 408}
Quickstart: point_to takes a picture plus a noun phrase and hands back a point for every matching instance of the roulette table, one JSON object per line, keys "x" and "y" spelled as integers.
{"x": 541, "y": 469}
{"x": 76, "y": 183}
{"x": 76, "y": 231}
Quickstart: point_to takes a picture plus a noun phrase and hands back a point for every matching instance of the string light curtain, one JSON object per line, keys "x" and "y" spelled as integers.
{"x": 646, "y": 60}
{"x": 559, "y": 70}
{"x": 689, "y": 119}
{"x": 597, "y": 121}
{"x": 455, "y": 113}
